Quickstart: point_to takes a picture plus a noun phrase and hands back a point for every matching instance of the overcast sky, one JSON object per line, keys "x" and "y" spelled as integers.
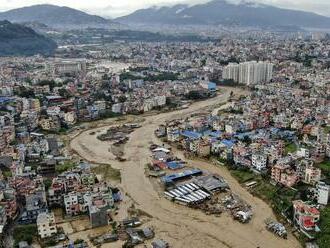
{"x": 114, "y": 8}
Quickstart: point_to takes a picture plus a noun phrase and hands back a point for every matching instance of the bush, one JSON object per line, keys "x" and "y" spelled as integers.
{"x": 24, "y": 233}
{"x": 323, "y": 237}
{"x": 78, "y": 241}
{"x": 65, "y": 167}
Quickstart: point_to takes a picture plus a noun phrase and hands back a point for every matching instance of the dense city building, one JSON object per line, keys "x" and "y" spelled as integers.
{"x": 249, "y": 73}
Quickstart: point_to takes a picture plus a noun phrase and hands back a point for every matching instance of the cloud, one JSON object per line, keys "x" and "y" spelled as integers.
{"x": 116, "y": 8}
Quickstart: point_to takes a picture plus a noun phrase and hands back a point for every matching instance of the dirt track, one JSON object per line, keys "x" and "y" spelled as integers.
{"x": 179, "y": 225}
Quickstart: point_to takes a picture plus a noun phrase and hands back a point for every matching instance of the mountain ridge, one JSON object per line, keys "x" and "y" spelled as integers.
{"x": 221, "y": 12}
{"x": 54, "y": 16}
{"x": 19, "y": 40}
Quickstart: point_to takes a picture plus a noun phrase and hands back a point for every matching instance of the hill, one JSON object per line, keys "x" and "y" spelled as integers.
{"x": 18, "y": 40}
{"x": 54, "y": 16}
{"x": 225, "y": 13}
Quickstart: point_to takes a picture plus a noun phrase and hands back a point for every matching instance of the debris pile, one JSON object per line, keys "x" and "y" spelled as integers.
{"x": 105, "y": 238}
{"x": 138, "y": 236}
{"x": 276, "y": 228}
{"x": 195, "y": 188}
{"x": 238, "y": 208}
{"x": 159, "y": 243}
{"x": 126, "y": 231}
{"x": 118, "y": 134}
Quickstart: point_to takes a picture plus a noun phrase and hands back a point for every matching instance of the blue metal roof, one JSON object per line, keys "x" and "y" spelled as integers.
{"x": 211, "y": 85}
{"x": 242, "y": 135}
{"x": 215, "y": 134}
{"x": 227, "y": 143}
{"x": 174, "y": 165}
{"x": 191, "y": 134}
{"x": 176, "y": 176}
{"x": 4, "y": 99}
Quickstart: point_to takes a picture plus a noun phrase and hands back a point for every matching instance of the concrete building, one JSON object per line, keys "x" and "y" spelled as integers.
{"x": 312, "y": 175}
{"x": 99, "y": 215}
{"x": 35, "y": 204}
{"x": 249, "y": 73}
{"x": 259, "y": 161}
{"x": 231, "y": 71}
{"x": 71, "y": 203}
{"x": 3, "y": 218}
{"x": 203, "y": 148}
{"x": 305, "y": 216}
{"x": 284, "y": 175}
{"x": 323, "y": 193}
{"x": 46, "y": 225}
{"x": 69, "y": 67}
{"x": 210, "y": 86}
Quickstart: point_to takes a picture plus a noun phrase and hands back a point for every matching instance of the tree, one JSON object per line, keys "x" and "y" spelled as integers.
{"x": 47, "y": 183}
{"x": 50, "y": 83}
{"x": 24, "y": 233}
{"x": 323, "y": 237}
{"x": 25, "y": 92}
{"x": 64, "y": 93}
{"x": 122, "y": 98}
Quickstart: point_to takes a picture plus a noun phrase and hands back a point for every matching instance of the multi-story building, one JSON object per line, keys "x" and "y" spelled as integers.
{"x": 55, "y": 193}
{"x": 46, "y": 225}
{"x": 3, "y": 219}
{"x": 284, "y": 175}
{"x": 312, "y": 175}
{"x": 173, "y": 135}
{"x": 305, "y": 216}
{"x": 249, "y": 73}
{"x": 35, "y": 204}
{"x": 74, "y": 66}
{"x": 203, "y": 148}
{"x": 323, "y": 193}
{"x": 259, "y": 161}
{"x": 71, "y": 203}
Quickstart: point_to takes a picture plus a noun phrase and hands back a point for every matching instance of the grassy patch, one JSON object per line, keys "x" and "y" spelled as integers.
{"x": 323, "y": 237}
{"x": 290, "y": 148}
{"x": 327, "y": 129}
{"x": 242, "y": 176}
{"x": 68, "y": 165}
{"x": 279, "y": 198}
{"x": 325, "y": 167}
{"x": 7, "y": 173}
{"x": 24, "y": 233}
{"x": 47, "y": 183}
{"x": 107, "y": 172}
{"x": 264, "y": 190}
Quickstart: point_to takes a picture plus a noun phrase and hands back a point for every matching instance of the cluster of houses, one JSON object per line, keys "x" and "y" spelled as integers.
{"x": 266, "y": 136}
{"x": 77, "y": 191}
{"x": 79, "y": 90}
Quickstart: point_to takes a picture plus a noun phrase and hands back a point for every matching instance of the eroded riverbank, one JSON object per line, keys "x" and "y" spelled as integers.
{"x": 181, "y": 226}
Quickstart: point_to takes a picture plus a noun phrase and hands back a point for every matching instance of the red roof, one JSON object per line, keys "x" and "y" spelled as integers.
{"x": 314, "y": 211}
{"x": 308, "y": 221}
{"x": 159, "y": 164}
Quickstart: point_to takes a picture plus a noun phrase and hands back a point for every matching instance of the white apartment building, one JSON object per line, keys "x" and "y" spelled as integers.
{"x": 259, "y": 161}
{"x": 71, "y": 203}
{"x": 3, "y": 218}
{"x": 231, "y": 71}
{"x": 323, "y": 192}
{"x": 75, "y": 66}
{"x": 46, "y": 225}
{"x": 248, "y": 73}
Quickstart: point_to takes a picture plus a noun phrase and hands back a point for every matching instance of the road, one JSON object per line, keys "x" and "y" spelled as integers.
{"x": 179, "y": 225}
